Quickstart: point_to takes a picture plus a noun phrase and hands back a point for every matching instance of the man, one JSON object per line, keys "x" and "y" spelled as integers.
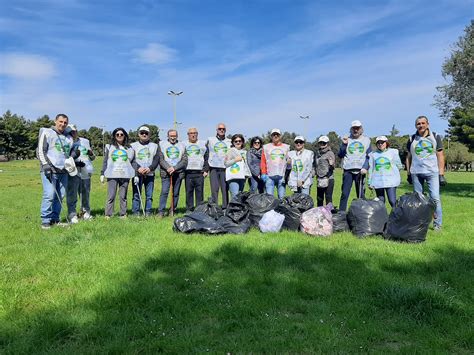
{"x": 301, "y": 161}
{"x": 273, "y": 164}
{"x": 173, "y": 162}
{"x": 218, "y": 147}
{"x": 54, "y": 147}
{"x": 196, "y": 170}
{"x": 80, "y": 185}
{"x": 425, "y": 162}
{"x": 146, "y": 161}
{"x": 354, "y": 152}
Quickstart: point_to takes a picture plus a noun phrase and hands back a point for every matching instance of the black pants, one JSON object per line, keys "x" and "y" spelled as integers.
{"x": 217, "y": 176}
{"x": 194, "y": 186}
{"x": 347, "y": 179}
{"x": 325, "y": 192}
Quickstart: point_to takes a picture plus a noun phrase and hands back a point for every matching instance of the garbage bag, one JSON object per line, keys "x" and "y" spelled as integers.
{"x": 197, "y": 222}
{"x": 210, "y": 208}
{"x": 271, "y": 222}
{"x": 259, "y": 204}
{"x": 237, "y": 209}
{"x": 410, "y": 218}
{"x": 232, "y": 227}
{"x": 302, "y": 202}
{"x": 339, "y": 221}
{"x": 317, "y": 221}
{"x": 292, "y": 216}
{"x": 367, "y": 217}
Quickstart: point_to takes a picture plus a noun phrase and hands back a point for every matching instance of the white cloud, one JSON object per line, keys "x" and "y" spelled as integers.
{"x": 26, "y": 66}
{"x": 154, "y": 53}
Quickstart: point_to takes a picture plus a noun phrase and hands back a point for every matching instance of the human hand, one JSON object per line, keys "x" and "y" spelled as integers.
{"x": 345, "y": 140}
{"x": 48, "y": 172}
{"x": 299, "y": 183}
{"x": 363, "y": 171}
{"x": 205, "y": 174}
{"x": 409, "y": 179}
{"x": 264, "y": 177}
{"x": 170, "y": 170}
{"x": 102, "y": 179}
{"x": 80, "y": 164}
{"x": 442, "y": 181}
{"x": 238, "y": 158}
{"x": 136, "y": 179}
{"x": 90, "y": 153}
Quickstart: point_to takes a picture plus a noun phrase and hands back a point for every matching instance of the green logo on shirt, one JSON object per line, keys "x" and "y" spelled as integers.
{"x": 144, "y": 154}
{"x": 382, "y": 163}
{"x": 220, "y": 147}
{"x": 119, "y": 154}
{"x": 424, "y": 148}
{"x": 193, "y": 150}
{"x": 355, "y": 148}
{"x": 297, "y": 166}
{"x": 277, "y": 154}
{"x": 235, "y": 168}
{"x": 60, "y": 143}
{"x": 172, "y": 152}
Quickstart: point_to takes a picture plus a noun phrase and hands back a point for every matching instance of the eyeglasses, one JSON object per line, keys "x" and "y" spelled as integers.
{"x": 238, "y": 141}
{"x": 119, "y": 134}
{"x": 257, "y": 142}
{"x": 299, "y": 142}
{"x": 221, "y": 129}
{"x": 144, "y": 133}
{"x": 381, "y": 142}
{"x": 275, "y": 134}
{"x": 192, "y": 133}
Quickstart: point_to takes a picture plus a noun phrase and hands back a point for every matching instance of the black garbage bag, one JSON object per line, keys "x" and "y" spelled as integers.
{"x": 410, "y": 218}
{"x": 237, "y": 209}
{"x": 292, "y": 216}
{"x": 258, "y": 204}
{"x": 300, "y": 201}
{"x": 197, "y": 222}
{"x": 339, "y": 221}
{"x": 210, "y": 208}
{"x": 367, "y": 217}
{"x": 232, "y": 227}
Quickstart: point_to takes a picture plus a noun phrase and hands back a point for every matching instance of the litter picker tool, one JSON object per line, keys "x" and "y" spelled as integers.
{"x": 137, "y": 185}
{"x": 172, "y": 195}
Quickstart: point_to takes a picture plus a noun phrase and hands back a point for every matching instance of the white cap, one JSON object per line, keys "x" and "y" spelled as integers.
{"x": 299, "y": 138}
{"x": 144, "y": 128}
{"x": 356, "y": 123}
{"x": 70, "y": 166}
{"x": 381, "y": 138}
{"x": 72, "y": 127}
{"x": 275, "y": 130}
{"x": 324, "y": 139}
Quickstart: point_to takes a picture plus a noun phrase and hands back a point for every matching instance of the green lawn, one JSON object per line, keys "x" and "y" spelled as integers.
{"x": 135, "y": 286}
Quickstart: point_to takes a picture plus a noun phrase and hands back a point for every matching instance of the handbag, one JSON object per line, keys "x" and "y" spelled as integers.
{"x": 323, "y": 182}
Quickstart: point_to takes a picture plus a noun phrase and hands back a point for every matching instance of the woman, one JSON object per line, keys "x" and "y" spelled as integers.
{"x": 384, "y": 174}
{"x": 118, "y": 170}
{"x": 324, "y": 164}
{"x": 254, "y": 157}
{"x": 301, "y": 161}
{"x": 237, "y": 169}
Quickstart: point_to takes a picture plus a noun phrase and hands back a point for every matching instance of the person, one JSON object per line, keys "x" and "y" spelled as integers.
{"x": 425, "y": 163}
{"x": 354, "y": 152}
{"x": 324, "y": 164}
{"x": 383, "y": 172}
{"x": 254, "y": 157}
{"x": 273, "y": 164}
{"x": 196, "y": 170}
{"x": 146, "y": 161}
{"x": 237, "y": 170}
{"x": 218, "y": 147}
{"x": 173, "y": 162}
{"x": 54, "y": 147}
{"x": 301, "y": 162}
{"x": 80, "y": 185}
{"x": 118, "y": 169}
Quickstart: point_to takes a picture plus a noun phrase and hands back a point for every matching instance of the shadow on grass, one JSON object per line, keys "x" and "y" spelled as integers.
{"x": 238, "y": 299}
{"x": 458, "y": 190}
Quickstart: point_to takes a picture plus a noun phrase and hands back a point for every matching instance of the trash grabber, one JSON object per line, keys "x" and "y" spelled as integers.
{"x": 60, "y": 201}
{"x": 140, "y": 196}
{"x": 361, "y": 185}
{"x": 172, "y": 195}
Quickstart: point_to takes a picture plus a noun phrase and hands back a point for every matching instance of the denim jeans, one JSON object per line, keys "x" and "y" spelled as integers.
{"x": 347, "y": 179}
{"x": 50, "y": 204}
{"x": 256, "y": 184}
{"x": 278, "y": 182}
{"x": 236, "y": 186}
{"x": 165, "y": 189}
{"x": 391, "y": 194}
{"x": 432, "y": 180}
{"x": 149, "y": 182}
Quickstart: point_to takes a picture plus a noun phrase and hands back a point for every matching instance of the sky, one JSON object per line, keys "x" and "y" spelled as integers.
{"x": 252, "y": 64}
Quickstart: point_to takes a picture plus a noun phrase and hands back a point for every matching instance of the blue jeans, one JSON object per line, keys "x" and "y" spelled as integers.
{"x": 278, "y": 182}
{"x": 347, "y": 179}
{"x": 432, "y": 180}
{"x": 391, "y": 194}
{"x": 256, "y": 184}
{"x": 165, "y": 189}
{"x": 50, "y": 204}
{"x": 149, "y": 182}
{"x": 236, "y": 186}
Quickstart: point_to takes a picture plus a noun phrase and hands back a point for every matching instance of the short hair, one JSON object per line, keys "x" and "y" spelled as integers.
{"x": 420, "y": 118}
{"x": 63, "y": 115}
{"x": 172, "y": 130}
{"x": 223, "y": 124}
{"x": 190, "y": 128}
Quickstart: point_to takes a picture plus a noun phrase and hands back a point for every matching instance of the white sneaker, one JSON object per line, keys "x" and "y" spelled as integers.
{"x": 87, "y": 216}
{"x": 74, "y": 220}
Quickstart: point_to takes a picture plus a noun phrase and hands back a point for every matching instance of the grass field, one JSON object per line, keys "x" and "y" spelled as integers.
{"x": 135, "y": 286}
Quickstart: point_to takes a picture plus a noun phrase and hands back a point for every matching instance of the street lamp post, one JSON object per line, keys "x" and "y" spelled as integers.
{"x": 174, "y": 94}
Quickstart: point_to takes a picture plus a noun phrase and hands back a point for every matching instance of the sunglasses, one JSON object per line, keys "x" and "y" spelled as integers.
{"x": 144, "y": 133}
{"x": 299, "y": 142}
{"x": 119, "y": 135}
{"x": 257, "y": 142}
{"x": 192, "y": 133}
{"x": 238, "y": 141}
{"x": 381, "y": 142}
{"x": 221, "y": 129}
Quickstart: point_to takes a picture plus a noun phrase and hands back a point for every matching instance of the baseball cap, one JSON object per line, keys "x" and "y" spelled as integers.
{"x": 356, "y": 123}
{"x": 71, "y": 127}
{"x": 299, "y": 138}
{"x": 381, "y": 138}
{"x": 275, "y": 130}
{"x": 70, "y": 166}
{"x": 144, "y": 128}
{"x": 324, "y": 139}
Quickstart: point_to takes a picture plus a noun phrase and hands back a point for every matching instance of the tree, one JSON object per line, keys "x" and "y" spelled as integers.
{"x": 457, "y": 154}
{"x": 458, "y": 70}
{"x": 461, "y": 127}
{"x": 394, "y": 132}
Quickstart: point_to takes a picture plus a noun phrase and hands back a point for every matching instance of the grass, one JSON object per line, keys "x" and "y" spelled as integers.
{"x": 135, "y": 286}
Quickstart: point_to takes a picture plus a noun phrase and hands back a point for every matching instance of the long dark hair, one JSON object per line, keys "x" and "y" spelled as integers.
{"x": 256, "y": 138}
{"x": 235, "y": 136}
{"x": 125, "y": 139}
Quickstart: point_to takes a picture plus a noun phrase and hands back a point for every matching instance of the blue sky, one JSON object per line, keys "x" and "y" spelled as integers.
{"x": 254, "y": 65}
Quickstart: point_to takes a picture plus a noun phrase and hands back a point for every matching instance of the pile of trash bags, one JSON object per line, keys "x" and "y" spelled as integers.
{"x": 408, "y": 221}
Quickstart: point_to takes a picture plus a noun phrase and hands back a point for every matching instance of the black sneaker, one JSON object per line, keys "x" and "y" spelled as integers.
{"x": 45, "y": 226}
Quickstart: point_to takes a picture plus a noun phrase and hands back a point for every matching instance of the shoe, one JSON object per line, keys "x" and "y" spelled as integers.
{"x": 437, "y": 228}
{"x": 87, "y": 216}
{"x": 160, "y": 215}
{"x": 148, "y": 214}
{"x": 74, "y": 220}
{"x": 107, "y": 217}
{"x": 123, "y": 217}
{"x": 45, "y": 226}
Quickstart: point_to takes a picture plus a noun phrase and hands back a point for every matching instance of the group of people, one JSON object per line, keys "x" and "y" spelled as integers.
{"x": 66, "y": 168}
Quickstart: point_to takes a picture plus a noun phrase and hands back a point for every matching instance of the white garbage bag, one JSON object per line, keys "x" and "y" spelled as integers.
{"x": 271, "y": 222}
